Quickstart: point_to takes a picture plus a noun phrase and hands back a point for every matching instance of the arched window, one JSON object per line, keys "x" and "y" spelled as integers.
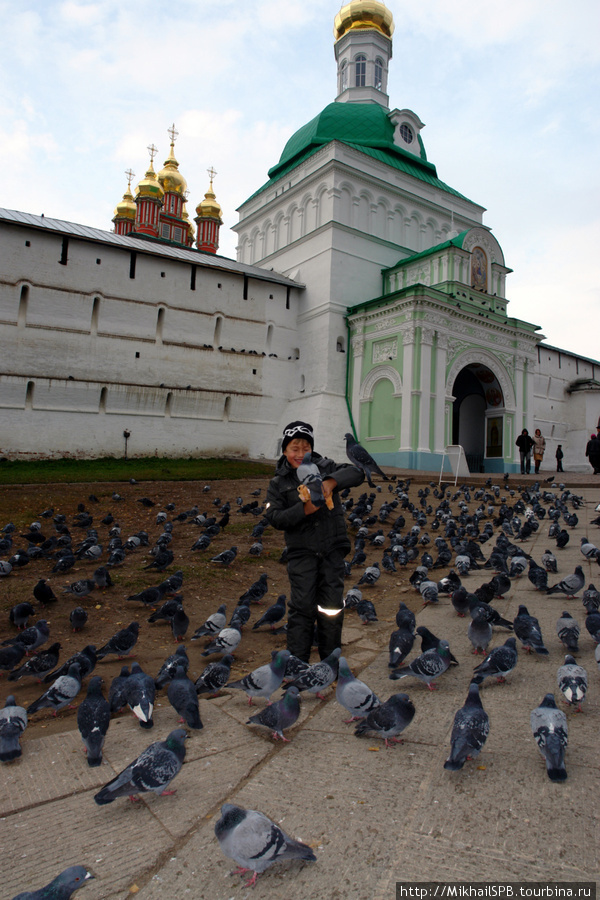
{"x": 169, "y": 405}
{"x": 160, "y": 322}
{"x": 378, "y": 74}
{"x": 361, "y": 70}
{"x": 95, "y": 314}
{"x": 102, "y": 403}
{"x": 218, "y": 329}
{"x": 23, "y": 301}
{"x": 339, "y": 345}
{"x": 29, "y": 395}
{"x": 344, "y": 76}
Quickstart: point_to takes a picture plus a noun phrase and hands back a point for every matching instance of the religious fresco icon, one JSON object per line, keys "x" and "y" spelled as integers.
{"x": 478, "y": 269}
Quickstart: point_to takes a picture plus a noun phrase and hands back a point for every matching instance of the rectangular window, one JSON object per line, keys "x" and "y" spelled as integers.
{"x": 361, "y": 71}
{"x": 165, "y": 231}
{"x": 177, "y": 234}
{"x": 193, "y": 278}
{"x": 245, "y": 294}
{"x": 64, "y": 253}
{"x": 132, "y": 260}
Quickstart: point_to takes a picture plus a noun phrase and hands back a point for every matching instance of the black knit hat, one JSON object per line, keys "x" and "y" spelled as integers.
{"x": 298, "y": 430}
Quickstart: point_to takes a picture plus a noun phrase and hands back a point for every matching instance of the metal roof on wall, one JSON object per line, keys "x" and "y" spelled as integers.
{"x": 152, "y": 248}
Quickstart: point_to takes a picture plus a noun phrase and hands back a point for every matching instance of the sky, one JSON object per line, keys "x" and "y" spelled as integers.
{"x": 508, "y": 90}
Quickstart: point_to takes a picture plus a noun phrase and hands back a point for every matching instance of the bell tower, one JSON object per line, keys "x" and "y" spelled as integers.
{"x": 363, "y": 48}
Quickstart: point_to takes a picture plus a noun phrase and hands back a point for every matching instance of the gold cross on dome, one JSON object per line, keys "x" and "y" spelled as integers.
{"x": 173, "y": 134}
{"x": 152, "y": 150}
{"x": 211, "y": 174}
{"x": 130, "y": 176}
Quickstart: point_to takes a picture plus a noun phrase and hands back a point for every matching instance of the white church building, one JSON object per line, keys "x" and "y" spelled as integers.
{"x": 367, "y": 295}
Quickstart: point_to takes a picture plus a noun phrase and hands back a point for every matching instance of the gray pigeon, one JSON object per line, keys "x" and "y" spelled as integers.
{"x": 360, "y": 458}
{"x": 567, "y": 628}
{"x": 264, "y": 681}
{"x": 428, "y": 666}
{"x": 572, "y": 681}
{"x": 498, "y": 663}
{"x": 591, "y": 599}
{"x": 153, "y": 770}
{"x": 320, "y": 675}
{"x": 311, "y": 480}
{"x": 31, "y": 638}
{"x": 527, "y": 629}
{"x": 224, "y": 643}
{"x": 93, "y": 719}
{"x": 255, "y": 842}
{"x": 570, "y": 584}
{"x": 60, "y": 888}
{"x": 13, "y": 722}
{"x": 479, "y": 631}
{"x": 121, "y": 643}
{"x": 169, "y": 667}
{"x": 140, "y": 692}
{"x": 469, "y": 732}
{"x": 353, "y": 694}
{"x": 65, "y": 688}
{"x": 80, "y": 588}
{"x": 549, "y": 562}
{"x": 214, "y": 677}
{"x": 400, "y": 644}
{"x": 184, "y": 699}
{"x": 549, "y": 726}
{"x": 279, "y": 715}
{"x": 272, "y": 615}
{"x": 38, "y": 665}
{"x": 388, "y": 719}
{"x": 213, "y": 624}
{"x": 85, "y": 659}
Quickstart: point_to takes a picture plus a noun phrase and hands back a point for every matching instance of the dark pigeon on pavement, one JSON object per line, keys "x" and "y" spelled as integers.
{"x": 13, "y": 722}
{"x": 93, "y": 719}
{"x": 153, "y": 770}
{"x": 184, "y": 699}
{"x": 38, "y": 665}
{"x": 549, "y": 726}
{"x": 214, "y": 677}
{"x": 122, "y": 643}
{"x": 469, "y": 732}
{"x": 279, "y": 715}
{"x": 60, "y": 888}
{"x": 389, "y": 719}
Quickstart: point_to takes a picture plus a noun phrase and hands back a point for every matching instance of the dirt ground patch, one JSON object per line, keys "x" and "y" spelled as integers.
{"x": 206, "y": 584}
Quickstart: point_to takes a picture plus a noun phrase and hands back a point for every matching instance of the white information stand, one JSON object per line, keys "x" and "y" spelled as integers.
{"x": 455, "y": 455}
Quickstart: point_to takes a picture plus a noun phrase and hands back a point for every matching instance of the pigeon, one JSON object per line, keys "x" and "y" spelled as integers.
{"x": 498, "y": 663}
{"x": 43, "y": 593}
{"x": 80, "y": 588}
{"x": 273, "y": 614}
{"x": 121, "y": 643}
{"x": 405, "y": 617}
{"x": 279, "y": 715}
{"x": 117, "y": 693}
{"x": 311, "y": 483}
{"x": 19, "y": 614}
{"x": 86, "y": 660}
{"x": 184, "y": 699}
{"x": 469, "y": 732}
{"x": 214, "y": 677}
{"x": 400, "y": 645}
{"x": 161, "y": 561}
{"x": 13, "y": 722}
{"x": 460, "y": 600}
{"x": 153, "y": 770}
{"x": 239, "y": 616}
{"x": 388, "y": 719}
{"x": 255, "y": 842}
{"x": 93, "y": 719}
{"x": 366, "y": 611}
{"x": 179, "y": 623}
{"x": 256, "y": 591}
{"x": 549, "y": 726}
{"x": 226, "y": 557}
{"x": 363, "y": 460}
{"x": 428, "y": 666}
{"x": 78, "y": 617}
{"x": 491, "y": 614}
{"x": 225, "y": 642}
{"x": 371, "y": 575}
{"x": 538, "y": 576}
{"x": 169, "y": 667}
{"x": 102, "y": 578}
{"x": 213, "y": 624}
{"x": 320, "y": 675}
{"x": 168, "y": 609}
{"x": 65, "y": 688}
{"x": 151, "y": 596}
{"x": 570, "y": 585}
{"x": 572, "y": 681}
{"x": 527, "y": 629}
{"x": 567, "y": 628}
{"x": 589, "y": 550}
{"x": 591, "y": 599}
{"x": 140, "y": 692}
{"x": 479, "y": 631}
{"x": 60, "y": 888}
{"x": 38, "y": 665}
{"x": 264, "y": 681}
{"x": 429, "y": 641}
{"x": 353, "y": 694}
{"x": 31, "y": 638}
{"x": 549, "y": 562}
{"x": 592, "y": 624}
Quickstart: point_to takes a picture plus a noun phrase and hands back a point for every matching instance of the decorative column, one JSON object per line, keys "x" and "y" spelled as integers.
{"x": 427, "y": 335}
{"x": 408, "y": 340}
{"x": 357, "y": 342}
{"x": 439, "y": 395}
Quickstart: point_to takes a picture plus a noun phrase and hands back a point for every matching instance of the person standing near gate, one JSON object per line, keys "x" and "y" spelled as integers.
{"x": 525, "y": 442}
{"x": 539, "y": 446}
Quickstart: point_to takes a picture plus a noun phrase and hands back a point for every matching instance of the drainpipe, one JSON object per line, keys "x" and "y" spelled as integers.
{"x": 126, "y": 435}
{"x": 352, "y": 425}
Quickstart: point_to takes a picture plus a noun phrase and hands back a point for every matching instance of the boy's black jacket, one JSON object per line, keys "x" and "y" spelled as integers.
{"x": 321, "y": 531}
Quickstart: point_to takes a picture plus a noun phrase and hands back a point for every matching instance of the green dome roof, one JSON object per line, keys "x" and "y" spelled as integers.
{"x": 363, "y": 126}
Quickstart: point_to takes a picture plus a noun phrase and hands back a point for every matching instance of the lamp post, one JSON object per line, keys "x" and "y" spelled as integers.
{"x": 126, "y": 435}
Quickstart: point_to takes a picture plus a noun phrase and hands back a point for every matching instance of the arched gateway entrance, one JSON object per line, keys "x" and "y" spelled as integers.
{"x": 477, "y": 415}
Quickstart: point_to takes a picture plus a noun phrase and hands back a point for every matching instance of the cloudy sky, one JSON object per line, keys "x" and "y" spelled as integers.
{"x": 508, "y": 90}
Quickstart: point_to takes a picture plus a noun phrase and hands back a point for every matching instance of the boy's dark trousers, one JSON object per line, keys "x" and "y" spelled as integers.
{"x": 317, "y": 592}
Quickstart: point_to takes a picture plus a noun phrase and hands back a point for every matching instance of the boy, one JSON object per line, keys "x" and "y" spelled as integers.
{"x": 559, "y": 458}
{"x": 316, "y": 541}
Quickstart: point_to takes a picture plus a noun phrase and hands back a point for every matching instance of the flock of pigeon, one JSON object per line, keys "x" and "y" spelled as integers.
{"x": 467, "y": 528}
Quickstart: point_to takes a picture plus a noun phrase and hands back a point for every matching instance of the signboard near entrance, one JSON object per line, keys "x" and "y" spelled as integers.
{"x": 454, "y": 455}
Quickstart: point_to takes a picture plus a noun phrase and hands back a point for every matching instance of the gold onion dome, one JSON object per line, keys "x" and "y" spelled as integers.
{"x": 169, "y": 177}
{"x": 126, "y": 208}
{"x": 149, "y": 186}
{"x": 361, "y": 14}
{"x": 209, "y": 208}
